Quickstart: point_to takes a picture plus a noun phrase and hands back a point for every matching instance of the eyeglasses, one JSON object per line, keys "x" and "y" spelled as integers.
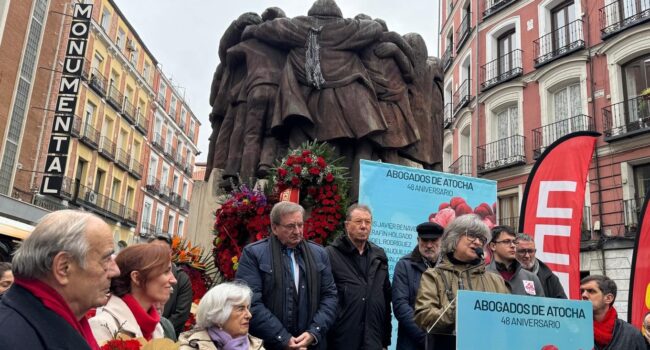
{"x": 473, "y": 236}
{"x": 293, "y": 226}
{"x": 508, "y": 241}
{"x": 523, "y": 252}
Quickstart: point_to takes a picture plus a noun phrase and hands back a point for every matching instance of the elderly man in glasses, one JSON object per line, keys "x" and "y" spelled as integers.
{"x": 461, "y": 266}
{"x": 525, "y": 253}
{"x": 503, "y": 247}
{"x": 294, "y": 296}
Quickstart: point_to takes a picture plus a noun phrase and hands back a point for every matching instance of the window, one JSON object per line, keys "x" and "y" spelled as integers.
{"x": 567, "y": 102}
{"x": 184, "y": 193}
{"x": 146, "y": 71}
{"x": 99, "y": 180}
{"x": 159, "y": 220}
{"x": 636, "y": 76}
{"x": 632, "y": 8}
{"x": 161, "y": 92}
{"x": 170, "y": 224}
{"x": 172, "y": 107}
{"x": 507, "y": 125}
{"x": 165, "y": 176}
{"x": 129, "y": 197}
{"x": 90, "y": 113}
{"x": 561, "y": 16}
{"x": 4, "y": 9}
{"x": 509, "y": 210}
{"x": 505, "y": 46}
{"x": 146, "y": 215}
{"x": 191, "y": 133}
{"x": 641, "y": 182}
{"x": 175, "y": 183}
{"x": 450, "y": 7}
{"x": 181, "y": 228}
{"x": 115, "y": 190}
{"x": 121, "y": 39}
{"x": 106, "y": 20}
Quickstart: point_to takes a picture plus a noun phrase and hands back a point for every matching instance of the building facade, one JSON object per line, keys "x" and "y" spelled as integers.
{"x": 519, "y": 74}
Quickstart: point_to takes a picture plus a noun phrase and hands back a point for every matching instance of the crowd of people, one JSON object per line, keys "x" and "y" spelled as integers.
{"x": 67, "y": 288}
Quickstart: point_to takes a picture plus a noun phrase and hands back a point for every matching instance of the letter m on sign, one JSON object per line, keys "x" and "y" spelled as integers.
{"x": 551, "y": 209}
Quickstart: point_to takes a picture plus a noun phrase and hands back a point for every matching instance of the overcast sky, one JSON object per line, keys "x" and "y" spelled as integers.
{"x": 184, "y": 35}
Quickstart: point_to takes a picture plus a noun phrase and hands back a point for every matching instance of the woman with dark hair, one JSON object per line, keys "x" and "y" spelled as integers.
{"x": 145, "y": 281}
{"x": 6, "y": 277}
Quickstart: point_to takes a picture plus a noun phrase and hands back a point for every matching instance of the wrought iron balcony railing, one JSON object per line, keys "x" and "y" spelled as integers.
{"x": 168, "y": 151}
{"x": 161, "y": 100}
{"x": 185, "y": 205}
{"x": 135, "y": 168}
{"x": 131, "y": 216}
{"x": 449, "y": 115}
{"x": 115, "y": 98}
{"x": 558, "y": 43}
{"x": 165, "y": 192}
{"x": 461, "y": 166}
{"x": 544, "y": 136}
{"x": 90, "y": 136}
{"x": 627, "y": 118}
{"x": 494, "y": 6}
{"x": 188, "y": 169}
{"x": 148, "y": 230}
{"x": 447, "y": 58}
{"x": 622, "y": 14}
{"x": 631, "y": 211}
{"x": 462, "y": 96}
{"x": 158, "y": 142}
{"x": 500, "y": 154}
{"x": 504, "y": 68}
{"x": 123, "y": 159}
{"x": 97, "y": 82}
{"x": 129, "y": 111}
{"x": 141, "y": 122}
{"x": 153, "y": 185}
{"x": 107, "y": 148}
{"x": 464, "y": 31}
{"x": 175, "y": 200}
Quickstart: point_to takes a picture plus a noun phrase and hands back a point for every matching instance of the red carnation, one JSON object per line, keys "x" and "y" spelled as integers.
{"x": 297, "y": 169}
{"x": 297, "y": 160}
{"x": 314, "y": 171}
{"x": 329, "y": 177}
{"x": 321, "y": 162}
{"x": 282, "y": 172}
{"x": 306, "y": 152}
{"x": 308, "y": 160}
{"x": 295, "y": 181}
{"x": 289, "y": 161}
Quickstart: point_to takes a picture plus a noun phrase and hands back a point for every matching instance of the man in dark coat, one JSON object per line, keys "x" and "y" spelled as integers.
{"x": 406, "y": 281}
{"x": 526, "y": 256}
{"x": 62, "y": 270}
{"x": 294, "y": 296}
{"x": 610, "y": 332}
{"x": 361, "y": 274}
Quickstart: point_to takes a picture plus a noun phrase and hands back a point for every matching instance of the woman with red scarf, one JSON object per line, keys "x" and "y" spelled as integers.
{"x": 145, "y": 281}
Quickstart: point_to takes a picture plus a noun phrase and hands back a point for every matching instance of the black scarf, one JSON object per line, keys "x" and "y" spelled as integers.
{"x": 312, "y": 275}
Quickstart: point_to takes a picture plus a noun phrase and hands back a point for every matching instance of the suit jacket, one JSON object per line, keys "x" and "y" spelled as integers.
{"x": 25, "y": 323}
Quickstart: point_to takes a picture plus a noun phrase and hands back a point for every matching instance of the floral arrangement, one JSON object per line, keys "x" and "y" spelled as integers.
{"x": 243, "y": 218}
{"x": 322, "y": 184}
{"x": 457, "y": 206}
{"x": 122, "y": 344}
{"x": 121, "y": 341}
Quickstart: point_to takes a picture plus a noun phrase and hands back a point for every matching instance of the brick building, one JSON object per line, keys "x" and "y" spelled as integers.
{"x": 519, "y": 74}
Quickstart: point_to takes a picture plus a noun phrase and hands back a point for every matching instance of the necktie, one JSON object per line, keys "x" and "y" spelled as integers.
{"x": 292, "y": 258}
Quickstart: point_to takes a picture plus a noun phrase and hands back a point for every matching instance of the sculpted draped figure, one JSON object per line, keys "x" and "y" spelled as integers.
{"x": 365, "y": 90}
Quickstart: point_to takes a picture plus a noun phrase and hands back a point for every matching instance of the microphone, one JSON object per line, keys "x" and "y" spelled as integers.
{"x": 479, "y": 252}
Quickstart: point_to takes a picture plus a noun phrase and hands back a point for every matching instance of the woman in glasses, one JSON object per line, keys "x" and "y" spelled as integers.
{"x": 461, "y": 266}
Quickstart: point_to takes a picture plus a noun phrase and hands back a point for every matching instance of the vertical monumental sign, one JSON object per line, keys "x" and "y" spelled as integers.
{"x": 66, "y": 102}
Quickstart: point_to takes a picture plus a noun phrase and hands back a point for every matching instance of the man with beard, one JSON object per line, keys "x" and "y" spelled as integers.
{"x": 525, "y": 253}
{"x": 62, "y": 270}
{"x": 406, "y": 282}
{"x": 520, "y": 281}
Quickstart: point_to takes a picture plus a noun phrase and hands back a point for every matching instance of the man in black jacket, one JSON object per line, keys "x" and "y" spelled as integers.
{"x": 525, "y": 254}
{"x": 360, "y": 271}
{"x": 177, "y": 309}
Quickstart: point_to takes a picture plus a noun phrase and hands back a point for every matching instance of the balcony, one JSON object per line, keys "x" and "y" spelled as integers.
{"x": 123, "y": 158}
{"x": 161, "y": 100}
{"x": 462, "y": 96}
{"x": 136, "y": 168}
{"x": 175, "y": 200}
{"x": 168, "y": 150}
{"x": 157, "y": 142}
{"x": 185, "y": 206}
{"x": 115, "y": 98}
{"x": 447, "y": 58}
{"x": 621, "y": 15}
{"x": 129, "y": 111}
{"x": 626, "y": 119}
{"x": 544, "y": 136}
{"x": 141, "y": 122}
{"x": 81, "y": 196}
{"x": 165, "y": 192}
{"x": 559, "y": 43}
{"x": 153, "y": 185}
{"x": 148, "y": 230}
{"x": 462, "y": 166}
{"x": 504, "y": 153}
{"x": 90, "y": 136}
{"x": 97, "y": 82}
{"x": 188, "y": 169}
{"x": 178, "y": 159}
{"x": 504, "y": 68}
{"x": 631, "y": 211}
{"x": 464, "y": 31}
{"x": 449, "y": 116}
{"x": 76, "y": 126}
{"x": 131, "y": 216}
{"x": 107, "y": 148}
{"x": 494, "y": 6}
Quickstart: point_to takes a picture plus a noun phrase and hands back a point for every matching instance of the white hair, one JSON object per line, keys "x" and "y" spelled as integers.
{"x": 216, "y": 305}
{"x": 59, "y": 231}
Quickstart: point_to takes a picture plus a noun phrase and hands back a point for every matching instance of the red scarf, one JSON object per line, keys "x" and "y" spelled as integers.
{"x": 604, "y": 330}
{"x": 147, "y": 320}
{"x": 52, "y": 300}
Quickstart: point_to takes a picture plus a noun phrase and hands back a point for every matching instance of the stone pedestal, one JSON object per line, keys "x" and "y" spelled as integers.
{"x": 204, "y": 204}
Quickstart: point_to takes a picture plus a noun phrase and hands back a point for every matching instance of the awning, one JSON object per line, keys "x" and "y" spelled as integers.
{"x": 15, "y": 229}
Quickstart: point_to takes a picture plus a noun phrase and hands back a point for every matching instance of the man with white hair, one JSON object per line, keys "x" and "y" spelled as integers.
{"x": 525, "y": 254}
{"x": 62, "y": 270}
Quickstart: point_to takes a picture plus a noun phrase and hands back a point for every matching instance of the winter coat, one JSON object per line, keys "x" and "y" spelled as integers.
{"x": 26, "y": 324}
{"x": 550, "y": 282}
{"x": 439, "y": 286}
{"x": 363, "y": 317}
{"x": 626, "y": 337}
{"x": 520, "y": 283}
{"x": 177, "y": 308}
{"x": 201, "y": 340}
{"x": 256, "y": 268}
{"x": 406, "y": 281}
{"x": 115, "y": 316}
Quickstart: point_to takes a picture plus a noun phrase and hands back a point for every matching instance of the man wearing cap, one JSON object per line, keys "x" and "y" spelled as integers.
{"x": 406, "y": 281}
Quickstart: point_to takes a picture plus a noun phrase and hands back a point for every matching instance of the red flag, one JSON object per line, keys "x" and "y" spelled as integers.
{"x": 639, "y": 298}
{"x": 551, "y": 210}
